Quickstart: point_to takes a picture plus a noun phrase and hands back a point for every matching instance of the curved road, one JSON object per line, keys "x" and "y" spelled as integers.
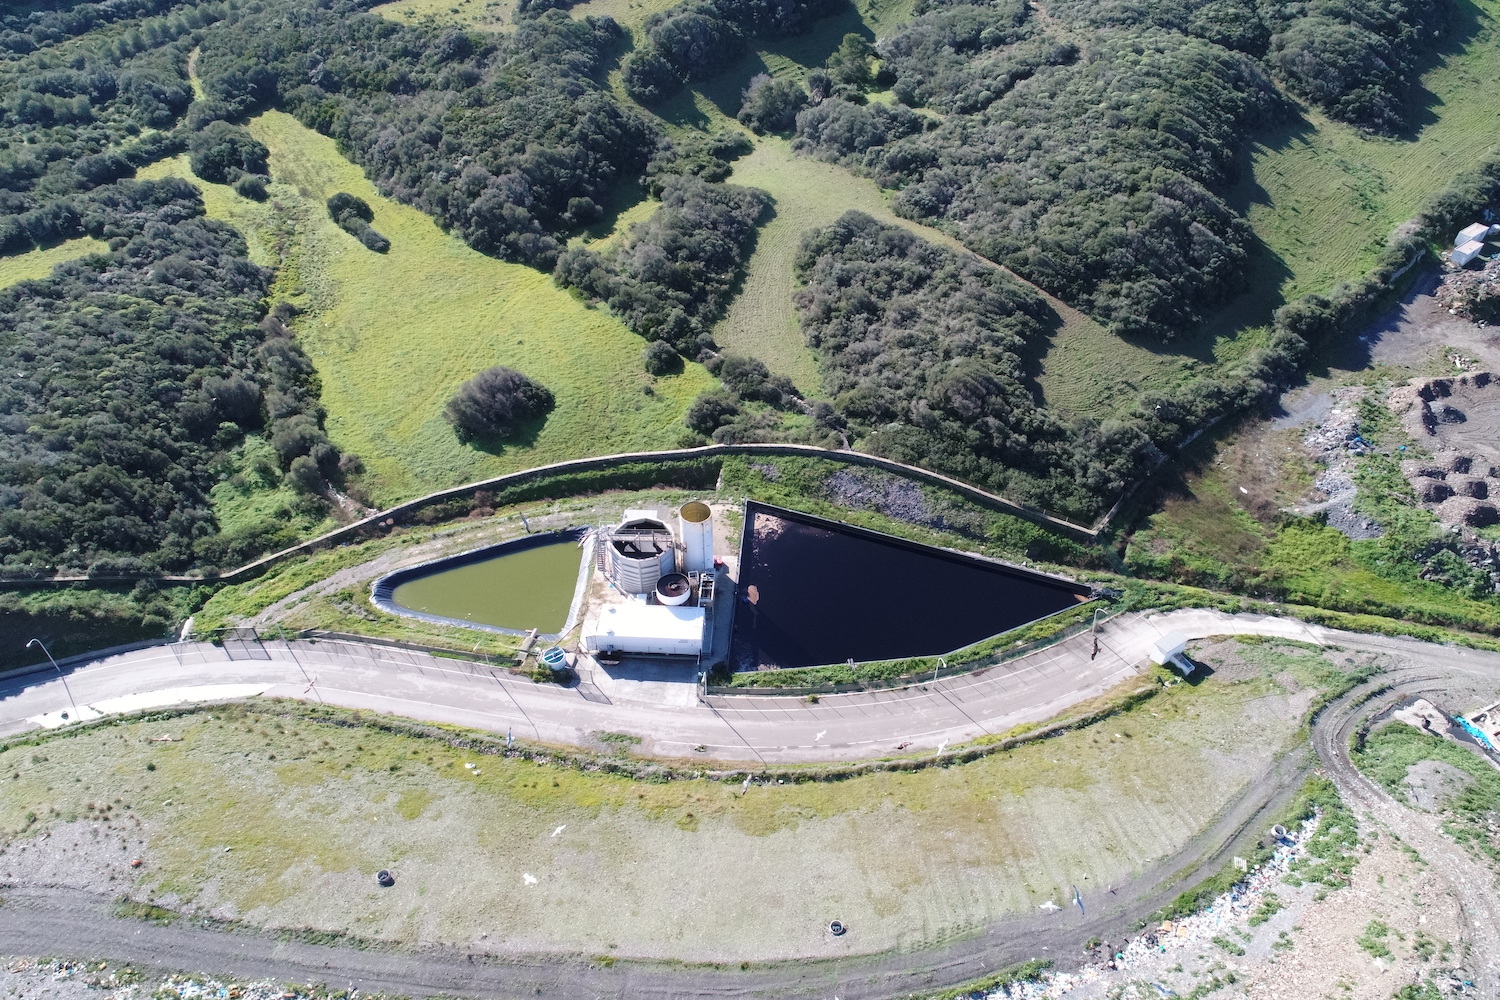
{"x": 39, "y": 920}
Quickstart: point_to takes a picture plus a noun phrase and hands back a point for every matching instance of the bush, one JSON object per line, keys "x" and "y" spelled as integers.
{"x": 221, "y": 152}
{"x": 354, "y": 215}
{"x": 252, "y": 186}
{"x": 710, "y": 411}
{"x": 772, "y": 105}
{"x": 659, "y": 359}
{"x": 496, "y": 402}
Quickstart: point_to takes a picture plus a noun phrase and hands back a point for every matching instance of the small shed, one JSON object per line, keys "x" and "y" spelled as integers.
{"x": 1466, "y": 253}
{"x": 1478, "y": 232}
{"x": 1168, "y": 649}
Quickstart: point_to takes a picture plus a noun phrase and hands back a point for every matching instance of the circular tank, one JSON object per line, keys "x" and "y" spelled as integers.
{"x": 695, "y": 533}
{"x": 673, "y": 589}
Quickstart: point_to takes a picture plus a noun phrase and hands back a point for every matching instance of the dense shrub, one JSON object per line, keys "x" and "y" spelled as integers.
{"x": 222, "y": 153}
{"x": 671, "y": 278}
{"x": 127, "y": 374}
{"x": 499, "y": 137}
{"x": 705, "y": 156}
{"x": 695, "y": 40}
{"x": 921, "y": 352}
{"x": 496, "y": 403}
{"x": 1106, "y": 193}
{"x": 354, "y": 215}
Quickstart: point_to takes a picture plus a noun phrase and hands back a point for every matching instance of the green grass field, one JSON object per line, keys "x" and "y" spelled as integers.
{"x": 1324, "y": 197}
{"x": 39, "y": 263}
{"x": 542, "y": 857}
{"x": 393, "y": 335}
{"x": 492, "y": 15}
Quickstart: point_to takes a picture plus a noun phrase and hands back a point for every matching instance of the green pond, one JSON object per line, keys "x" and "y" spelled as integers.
{"x": 532, "y": 588}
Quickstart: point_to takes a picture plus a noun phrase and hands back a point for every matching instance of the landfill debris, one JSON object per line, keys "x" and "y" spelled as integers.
{"x": 1173, "y": 935}
{"x": 123, "y": 982}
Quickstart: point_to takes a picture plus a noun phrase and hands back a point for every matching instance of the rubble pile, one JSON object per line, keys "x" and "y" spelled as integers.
{"x": 1460, "y": 489}
{"x": 123, "y": 982}
{"x": 1336, "y": 442}
{"x": 1474, "y": 295}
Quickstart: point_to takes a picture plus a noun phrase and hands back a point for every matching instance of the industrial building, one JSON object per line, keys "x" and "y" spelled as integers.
{"x": 658, "y": 577}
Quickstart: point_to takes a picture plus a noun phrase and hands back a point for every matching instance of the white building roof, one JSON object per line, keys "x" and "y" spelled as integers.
{"x": 635, "y": 626}
{"x": 1470, "y": 234}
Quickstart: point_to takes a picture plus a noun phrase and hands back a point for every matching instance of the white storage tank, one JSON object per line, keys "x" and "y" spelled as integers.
{"x": 695, "y": 530}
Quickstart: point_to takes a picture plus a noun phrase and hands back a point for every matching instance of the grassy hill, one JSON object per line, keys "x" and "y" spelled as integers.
{"x": 39, "y": 263}
{"x": 393, "y": 335}
{"x": 491, "y": 15}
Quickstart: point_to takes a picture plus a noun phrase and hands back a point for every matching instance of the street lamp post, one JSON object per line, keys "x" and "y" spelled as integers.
{"x": 64, "y": 677}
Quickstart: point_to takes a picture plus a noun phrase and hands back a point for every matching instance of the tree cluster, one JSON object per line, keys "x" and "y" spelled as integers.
{"x": 1096, "y": 180}
{"x": 508, "y": 140}
{"x": 353, "y": 215}
{"x": 1353, "y": 58}
{"x": 674, "y": 275}
{"x": 921, "y": 348}
{"x": 696, "y": 39}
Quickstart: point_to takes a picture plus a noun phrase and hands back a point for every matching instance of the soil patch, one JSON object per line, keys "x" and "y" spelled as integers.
{"x": 1431, "y": 783}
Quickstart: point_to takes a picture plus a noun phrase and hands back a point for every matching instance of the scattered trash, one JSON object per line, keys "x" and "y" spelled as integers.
{"x": 1189, "y": 932}
{"x": 385, "y": 878}
{"x": 836, "y": 928}
{"x": 135, "y": 862}
{"x": 528, "y": 878}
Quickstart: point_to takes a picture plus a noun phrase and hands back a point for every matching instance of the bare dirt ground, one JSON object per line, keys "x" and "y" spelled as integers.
{"x": 283, "y": 823}
{"x": 1415, "y": 333}
{"x": 1309, "y": 948}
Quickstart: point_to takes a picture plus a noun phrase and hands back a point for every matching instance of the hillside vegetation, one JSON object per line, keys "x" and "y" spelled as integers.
{"x": 395, "y": 334}
{"x": 1098, "y": 151}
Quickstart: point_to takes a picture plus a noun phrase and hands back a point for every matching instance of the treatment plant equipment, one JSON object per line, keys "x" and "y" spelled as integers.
{"x": 662, "y": 585}
{"x": 695, "y": 533}
{"x": 637, "y": 552}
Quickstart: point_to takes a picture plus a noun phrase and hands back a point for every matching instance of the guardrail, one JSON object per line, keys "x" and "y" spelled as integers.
{"x": 940, "y": 670}
{"x": 379, "y": 523}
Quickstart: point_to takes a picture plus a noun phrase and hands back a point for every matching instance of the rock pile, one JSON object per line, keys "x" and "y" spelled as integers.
{"x": 1461, "y": 489}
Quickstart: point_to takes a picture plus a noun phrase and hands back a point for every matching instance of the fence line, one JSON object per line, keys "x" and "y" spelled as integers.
{"x": 384, "y": 520}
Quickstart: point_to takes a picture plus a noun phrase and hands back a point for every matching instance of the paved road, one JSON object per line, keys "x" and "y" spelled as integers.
{"x": 35, "y": 921}
{"x": 658, "y": 704}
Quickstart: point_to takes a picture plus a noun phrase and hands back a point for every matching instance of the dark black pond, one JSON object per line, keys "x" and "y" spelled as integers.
{"x": 814, "y": 591}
